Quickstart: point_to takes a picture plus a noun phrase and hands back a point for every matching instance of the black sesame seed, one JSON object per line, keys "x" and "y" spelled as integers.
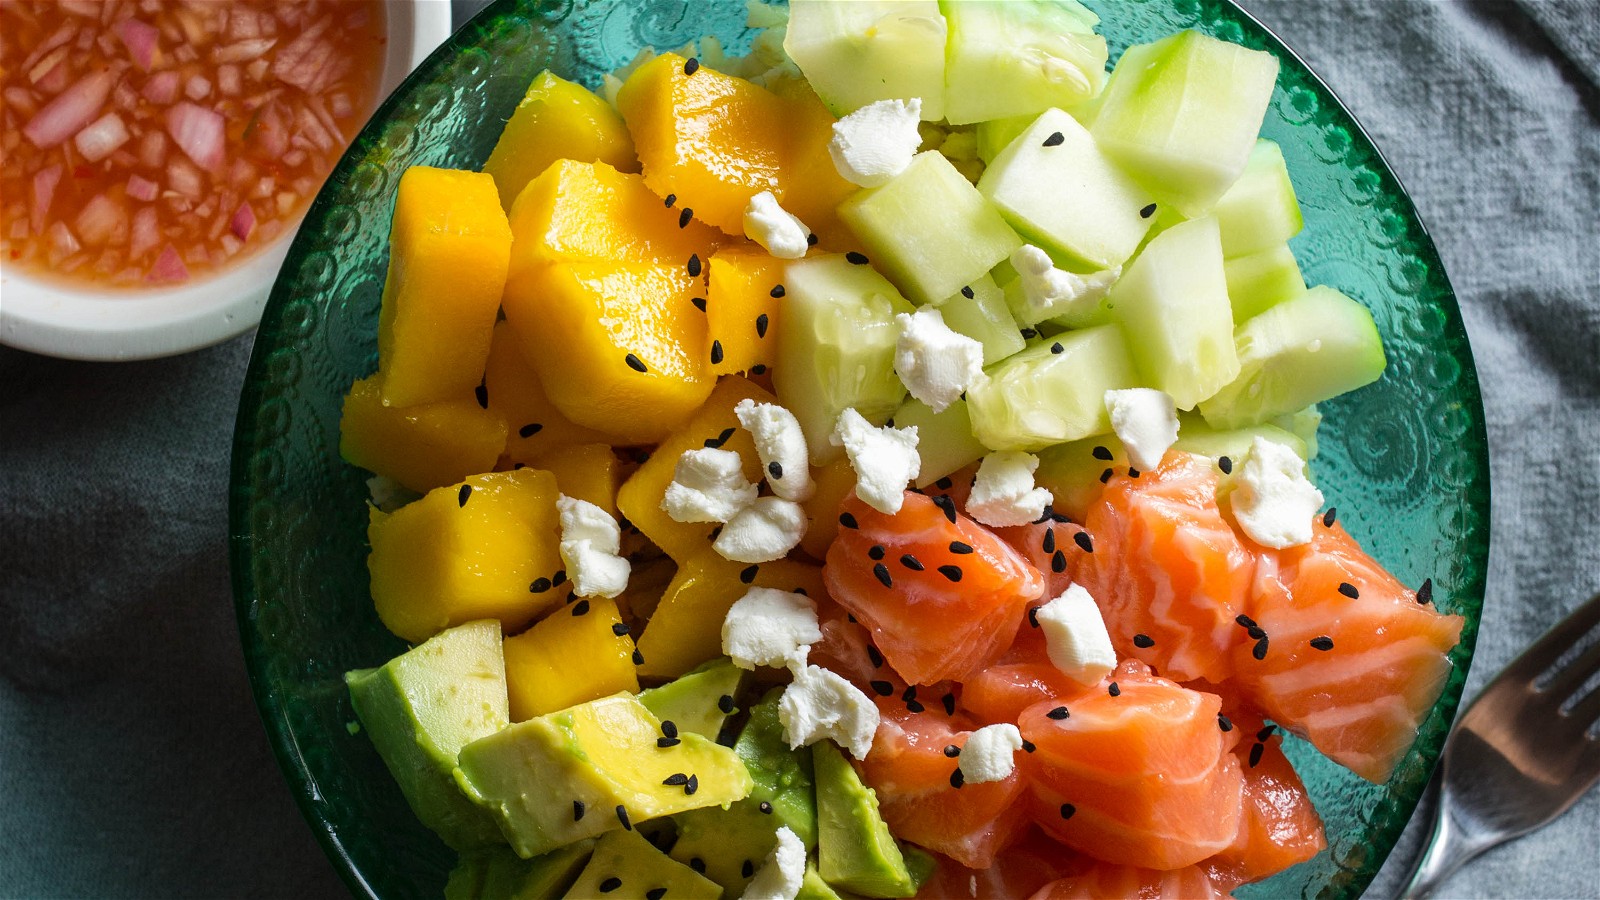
{"x": 655, "y": 893}
{"x": 636, "y": 364}
{"x": 580, "y": 608}
{"x": 1143, "y": 641}
{"x": 911, "y": 562}
{"x": 517, "y": 467}
{"x": 694, "y": 265}
{"x": 1028, "y": 746}
{"x": 1225, "y": 464}
{"x": 944, "y": 502}
{"x": 881, "y": 688}
{"x": 482, "y": 393}
{"x": 619, "y": 629}
{"x": 944, "y": 484}
{"x": 1114, "y": 690}
{"x": 1244, "y": 621}
{"x": 909, "y": 694}
{"x": 677, "y": 779}
{"x": 1055, "y": 139}
{"x": 1084, "y": 542}
{"x": 1322, "y": 642}
{"x": 851, "y": 617}
{"x": 691, "y": 66}
{"x": 697, "y": 864}
{"x": 951, "y": 572}
{"x": 876, "y": 656}
{"x": 777, "y": 291}
{"x": 958, "y": 547}
{"x": 775, "y": 469}
{"x": 949, "y": 702}
{"x": 1148, "y": 211}
{"x": 967, "y": 292}
{"x": 1033, "y": 616}
{"x": 1132, "y": 472}
{"x": 669, "y": 728}
{"x": 957, "y": 779}
{"x": 1106, "y": 475}
{"x": 610, "y": 884}
{"x": 952, "y": 751}
{"x": 765, "y": 807}
{"x": 1028, "y": 334}
{"x": 1059, "y": 713}
{"x": 758, "y": 369}
{"x": 748, "y": 574}
{"x": 577, "y": 810}
{"x": 848, "y": 520}
{"x": 1260, "y": 649}
{"x": 876, "y": 552}
{"x": 622, "y": 816}
{"x": 748, "y": 869}
{"x": 693, "y": 785}
{"x": 685, "y": 217}
{"x": 1056, "y": 347}
{"x": 1256, "y": 632}
{"x": 1329, "y": 517}
{"x": 1058, "y": 562}
{"x": 714, "y": 534}
{"x": 915, "y": 706}
{"x": 856, "y": 259}
{"x": 530, "y": 429}
{"x": 1049, "y": 543}
{"x": 1225, "y": 723}
{"x": 671, "y": 199}
{"x": 539, "y": 586}
{"x": 882, "y": 571}
{"x": 1255, "y": 754}
{"x": 665, "y": 742}
{"x": 716, "y": 352}
{"x": 1266, "y": 732}
{"x": 1425, "y": 593}
{"x": 761, "y": 325}
{"x": 725, "y": 704}
{"x": 1101, "y": 453}
{"x": 1349, "y": 590}
{"x": 811, "y": 240}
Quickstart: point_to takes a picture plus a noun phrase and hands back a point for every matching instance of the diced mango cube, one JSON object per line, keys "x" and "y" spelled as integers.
{"x": 742, "y": 308}
{"x": 449, "y": 247}
{"x": 483, "y": 549}
{"x": 586, "y": 471}
{"x": 573, "y": 655}
{"x": 422, "y": 447}
{"x": 534, "y": 425}
{"x": 590, "y": 212}
{"x": 557, "y": 119}
{"x": 813, "y": 187}
{"x": 834, "y": 481}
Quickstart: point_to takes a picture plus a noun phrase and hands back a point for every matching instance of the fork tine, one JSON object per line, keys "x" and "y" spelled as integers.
{"x": 1558, "y": 640}
{"x": 1575, "y": 674}
{"x": 1587, "y": 710}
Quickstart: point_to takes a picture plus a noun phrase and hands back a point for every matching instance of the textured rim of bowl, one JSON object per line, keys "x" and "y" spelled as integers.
{"x": 82, "y": 322}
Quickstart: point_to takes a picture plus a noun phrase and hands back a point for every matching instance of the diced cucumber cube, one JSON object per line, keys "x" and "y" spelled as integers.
{"x": 1014, "y": 59}
{"x": 1260, "y": 210}
{"x": 1072, "y": 472}
{"x": 1056, "y": 187}
{"x": 836, "y": 346}
{"x": 1081, "y": 312}
{"x": 1304, "y": 424}
{"x": 1262, "y": 280}
{"x": 1051, "y": 392}
{"x": 984, "y": 318}
{"x": 858, "y": 52}
{"x": 1304, "y": 350}
{"x": 1173, "y": 305}
{"x": 944, "y": 440}
{"x": 929, "y": 229}
{"x": 1183, "y": 113}
{"x": 995, "y": 134}
{"x": 1195, "y": 435}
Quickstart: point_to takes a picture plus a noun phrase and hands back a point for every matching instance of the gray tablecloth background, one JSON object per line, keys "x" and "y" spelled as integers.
{"x": 132, "y": 762}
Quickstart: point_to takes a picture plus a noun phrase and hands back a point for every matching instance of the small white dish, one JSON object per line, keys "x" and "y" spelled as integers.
{"x": 85, "y": 323}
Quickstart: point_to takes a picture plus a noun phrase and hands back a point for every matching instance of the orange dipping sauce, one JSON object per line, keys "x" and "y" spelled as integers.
{"x": 151, "y": 142}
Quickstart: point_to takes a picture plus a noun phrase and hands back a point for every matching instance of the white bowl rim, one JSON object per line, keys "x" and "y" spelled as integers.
{"x": 58, "y": 319}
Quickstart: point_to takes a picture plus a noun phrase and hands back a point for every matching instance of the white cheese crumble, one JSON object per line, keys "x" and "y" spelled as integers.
{"x": 989, "y": 754}
{"x": 884, "y": 459}
{"x": 935, "y": 362}
{"x": 1272, "y": 499}
{"x": 1146, "y": 422}
{"x": 1004, "y": 493}
{"x": 781, "y": 445}
{"x": 780, "y": 877}
{"x": 1049, "y": 292}
{"x": 768, "y": 627}
{"x": 820, "y": 704}
{"x": 708, "y": 485}
{"x": 876, "y": 142}
{"x": 590, "y": 543}
{"x": 775, "y": 228}
{"x": 1075, "y": 636}
{"x": 763, "y": 531}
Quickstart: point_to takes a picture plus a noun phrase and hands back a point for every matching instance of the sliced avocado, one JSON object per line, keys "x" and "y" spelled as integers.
{"x": 499, "y": 874}
{"x": 854, "y": 847}
{"x": 698, "y": 701}
{"x": 814, "y": 888}
{"x": 731, "y": 843}
{"x": 920, "y": 863}
{"x": 625, "y": 865}
{"x": 422, "y": 707}
{"x": 593, "y": 768}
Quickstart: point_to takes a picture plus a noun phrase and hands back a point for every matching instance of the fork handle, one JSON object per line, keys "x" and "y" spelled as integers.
{"x": 1451, "y": 845}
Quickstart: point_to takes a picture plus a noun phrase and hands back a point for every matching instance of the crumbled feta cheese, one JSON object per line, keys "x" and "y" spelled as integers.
{"x": 820, "y": 704}
{"x": 1075, "y": 636}
{"x": 781, "y": 444}
{"x": 988, "y": 754}
{"x": 876, "y": 142}
{"x": 1146, "y": 421}
{"x": 1272, "y": 499}
{"x": 775, "y": 228}
{"x": 780, "y": 877}
{"x": 1004, "y": 494}
{"x": 708, "y": 485}
{"x": 768, "y": 627}
{"x": 1049, "y": 292}
{"x": 590, "y": 542}
{"x": 935, "y": 363}
{"x": 763, "y": 531}
{"x": 885, "y": 459}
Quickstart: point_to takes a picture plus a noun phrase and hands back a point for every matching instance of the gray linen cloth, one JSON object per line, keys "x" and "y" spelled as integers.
{"x": 132, "y": 762}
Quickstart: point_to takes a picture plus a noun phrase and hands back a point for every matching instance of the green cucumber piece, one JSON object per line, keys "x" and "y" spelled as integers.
{"x": 1183, "y": 114}
{"x": 995, "y": 134}
{"x": 929, "y": 229}
{"x": 867, "y": 50}
{"x": 944, "y": 440}
{"x": 1260, "y": 210}
{"x": 1262, "y": 280}
{"x": 1173, "y": 304}
{"x": 1016, "y": 59}
{"x": 836, "y": 347}
{"x": 1304, "y": 424}
{"x": 1305, "y": 350}
{"x": 1071, "y": 472}
{"x": 1197, "y": 436}
{"x": 984, "y": 318}
{"x": 1040, "y": 397}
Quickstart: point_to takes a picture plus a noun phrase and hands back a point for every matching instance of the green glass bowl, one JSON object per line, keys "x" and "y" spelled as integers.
{"x": 1405, "y": 460}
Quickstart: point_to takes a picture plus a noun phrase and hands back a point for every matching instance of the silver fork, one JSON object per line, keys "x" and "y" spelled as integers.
{"x": 1525, "y": 750}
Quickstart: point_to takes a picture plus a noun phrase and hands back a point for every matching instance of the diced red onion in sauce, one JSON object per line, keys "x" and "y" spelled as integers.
{"x": 44, "y": 191}
{"x": 198, "y": 132}
{"x": 140, "y": 39}
{"x": 168, "y": 267}
{"x": 162, "y": 88}
{"x": 101, "y": 137}
{"x": 140, "y": 188}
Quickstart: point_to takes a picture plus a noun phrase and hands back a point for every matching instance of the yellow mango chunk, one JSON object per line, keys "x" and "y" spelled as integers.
{"x": 711, "y": 141}
{"x": 556, "y": 120}
{"x": 834, "y": 481}
{"x": 741, "y": 309}
{"x": 813, "y": 187}
{"x": 590, "y": 212}
{"x": 534, "y": 425}
{"x": 422, "y": 447}
{"x": 618, "y": 348}
{"x": 571, "y": 656}
{"x": 449, "y": 248}
{"x": 686, "y": 629}
{"x": 483, "y": 549}
{"x": 646, "y": 584}
{"x": 639, "y": 498}
{"x": 586, "y": 471}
